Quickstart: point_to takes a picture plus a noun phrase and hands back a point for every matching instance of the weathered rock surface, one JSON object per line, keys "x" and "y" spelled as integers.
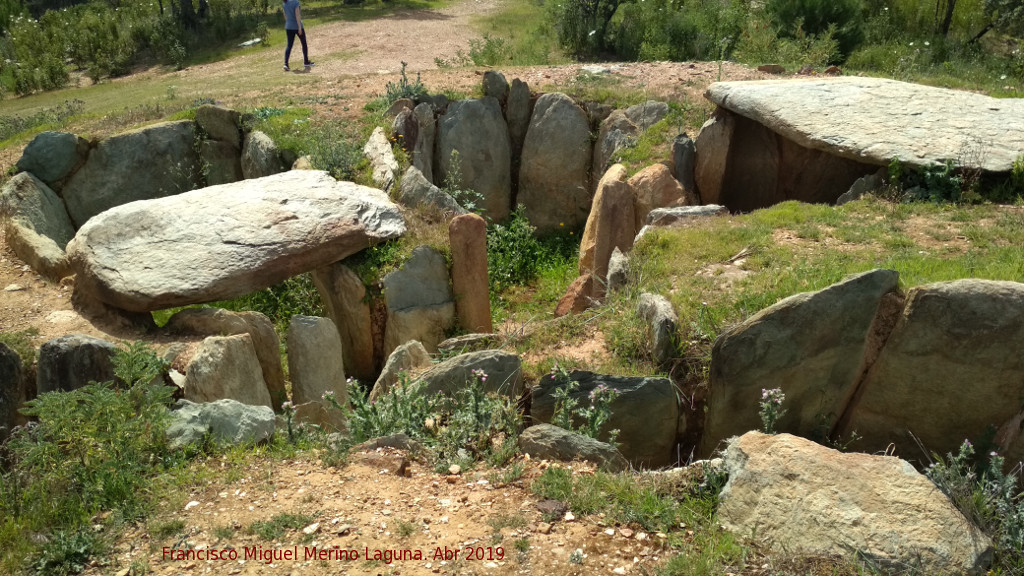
{"x": 222, "y": 161}
{"x": 221, "y": 123}
{"x": 407, "y": 358}
{"x": 655, "y": 187}
{"x": 548, "y": 442}
{"x": 874, "y": 120}
{"x": 669, "y": 216}
{"x": 226, "y": 367}
{"x": 70, "y": 362}
{"x": 423, "y": 153}
{"x": 419, "y": 300}
{"x": 38, "y": 227}
{"x": 554, "y": 179}
{"x": 260, "y": 156}
{"x": 220, "y": 322}
{"x": 646, "y": 413}
{"x": 344, "y": 297}
{"x": 396, "y": 441}
{"x": 684, "y": 158}
{"x": 578, "y": 296}
{"x": 517, "y": 113}
{"x": 799, "y": 498}
{"x": 495, "y": 85}
{"x": 53, "y": 156}
{"x": 476, "y": 130}
{"x": 468, "y": 240}
{"x": 618, "y": 270}
{"x": 862, "y": 186}
{"x": 315, "y": 363}
{"x": 662, "y": 324}
{"x": 227, "y": 422}
{"x": 503, "y": 369}
{"x": 416, "y": 190}
{"x": 143, "y": 164}
{"x": 609, "y": 226}
{"x": 789, "y": 345}
{"x": 647, "y": 114}
{"x": 382, "y": 159}
{"x": 468, "y": 343}
{"x": 406, "y": 130}
{"x": 10, "y": 388}
{"x": 224, "y": 241}
{"x": 951, "y": 369}
{"x": 616, "y": 133}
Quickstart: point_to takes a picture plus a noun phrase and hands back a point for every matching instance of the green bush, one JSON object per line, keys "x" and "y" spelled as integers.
{"x": 582, "y": 25}
{"x": 93, "y": 449}
{"x": 513, "y": 252}
{"x": 404, "y": 88}
{"x": 296, "y": 295}
{"x": 844, "y": 17}
{"x": 676, "y": 30}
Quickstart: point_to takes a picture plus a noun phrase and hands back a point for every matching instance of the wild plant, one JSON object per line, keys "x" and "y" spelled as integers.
{"x": 593, "y": 417}
{"x": 992, "y": 500}
{"x": 466, "y": 197}
{"x": 404, "y": 409}
{"x": 404, "y": 88}
{"x": 771, "y": 409}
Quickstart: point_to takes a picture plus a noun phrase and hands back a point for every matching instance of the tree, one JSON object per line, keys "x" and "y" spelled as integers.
{"x": 1006, "y": 16}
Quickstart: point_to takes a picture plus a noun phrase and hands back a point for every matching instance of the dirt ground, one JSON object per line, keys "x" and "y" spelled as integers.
{"x": 421, "y": 520}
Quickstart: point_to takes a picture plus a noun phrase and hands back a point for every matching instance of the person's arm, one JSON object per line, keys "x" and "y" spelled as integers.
{"x": 298, "y": 19}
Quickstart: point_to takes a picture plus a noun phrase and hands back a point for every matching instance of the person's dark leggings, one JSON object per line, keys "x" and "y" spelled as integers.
{"x": 291, "y": 40}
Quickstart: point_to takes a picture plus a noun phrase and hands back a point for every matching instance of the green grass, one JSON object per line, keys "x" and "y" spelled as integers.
{"x": 525, "y": 34}
{"x": 279, "y": 525}
{"x": 796, "y": 247}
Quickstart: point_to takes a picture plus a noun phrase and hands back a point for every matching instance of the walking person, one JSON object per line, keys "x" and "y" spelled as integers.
{"x": 292, "y": 27}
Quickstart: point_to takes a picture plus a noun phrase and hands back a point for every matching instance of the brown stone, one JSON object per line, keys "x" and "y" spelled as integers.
{"x": 344, "y": 298}
{"x": 577, "y": 298}
{"x": 398, "y": 106}
{"x": 771, "y": 69}
{"x": 396, "y": 464}
{"x": 468, "y": 238}
{"x": 656, "y": 187}
{"x": 609, "y": 225}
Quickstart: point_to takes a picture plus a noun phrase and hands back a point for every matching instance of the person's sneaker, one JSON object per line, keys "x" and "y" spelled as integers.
{"x": 286, "y": 68}
{"x": 310, "y": 64}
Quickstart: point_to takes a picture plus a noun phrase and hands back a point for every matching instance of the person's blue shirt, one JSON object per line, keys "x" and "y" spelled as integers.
{"x": 290, "y": 23}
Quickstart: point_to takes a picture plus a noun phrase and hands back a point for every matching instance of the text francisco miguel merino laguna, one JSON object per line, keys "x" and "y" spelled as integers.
{"x": 294, "y": 553}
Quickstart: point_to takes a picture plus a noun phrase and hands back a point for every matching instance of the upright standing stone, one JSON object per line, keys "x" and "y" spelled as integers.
{"x": 70, "y": 362}
{"x": 382, "y": 159}
{"x": 222, "y": 162}
{"x": 609, "y": 226}
{"x": 423, "y": 153}
{"x": 616, "y": 133}
{"x": 219, "y": 322}
{"x": 554, "y": 180}
{"x": 260, "y": 156}
{"x": 518, "y": 112}
{"x": 38, "y": 227}
{"x": 496, "y": 86}
{"x": 476, "y": 130}
{"x": 226, "y": 367}
{"x": 684, "y": 158}
{"x": 344, "y": 297}
{"x": 221, "y": 123}
{"x": 143, "y": 164}
{"x": 662, "y": 323}
{"x": 53, "y": 157}
{"x": 10, "y": 388}
{"x": 315, "y": 363}
{"x": 406, "y": 130}
{"x": 468, "y": 238}
{"x": 655, "y": 187}
{"x": 419, "y": 300}
{"x": 406, "y": 358}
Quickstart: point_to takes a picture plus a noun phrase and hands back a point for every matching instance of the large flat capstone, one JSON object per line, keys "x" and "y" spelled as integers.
{"x": 873, "y": 120}
{"x": 228, "y": 240}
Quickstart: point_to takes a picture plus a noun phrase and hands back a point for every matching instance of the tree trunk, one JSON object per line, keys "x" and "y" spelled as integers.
{"x": 947, "y": 20}
{"x": 984, "y": 31}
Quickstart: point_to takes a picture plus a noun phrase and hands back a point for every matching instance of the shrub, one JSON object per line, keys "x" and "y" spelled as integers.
{"x": 513, "y": 252}
{"x": 816, "y": 17}
{"x": 676, "y": 30}
{"x": 582, "y": 24}
{"x": 470, "y": 426}
{"x": 92, "y": 449}
{"x": 991, "y": 500}
{"x": 280, "y": 302}
{"x": 404, "y": 88}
